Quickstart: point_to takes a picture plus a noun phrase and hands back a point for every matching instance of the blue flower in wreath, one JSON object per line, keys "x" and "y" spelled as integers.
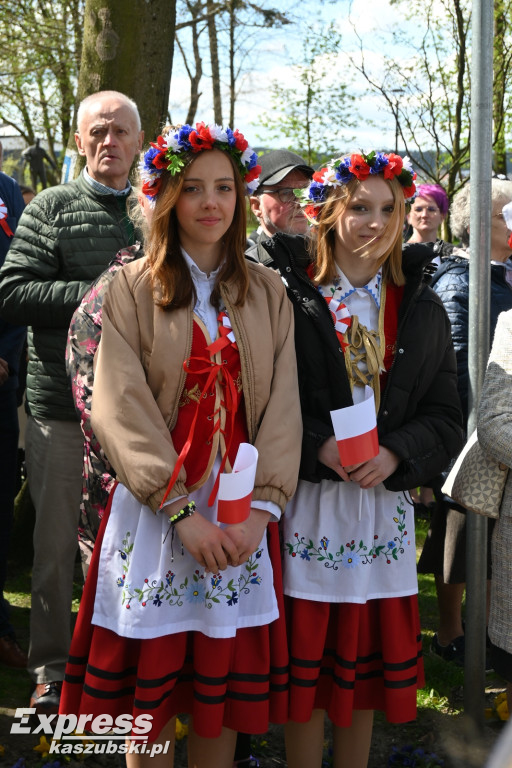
{"x": 233, "y": 600}
{"x": 256, "y": 580}
{"x": 317, "y": 192}
{"x": 379, "y": 163}
{"x": 324, "y": 543}
{"x": 195, "y": 592}
{"x": 305, "y": 555}
{"x": 157, "y": 601}
{"x": 350, "y": 559}
{"x": 341, "y": 171}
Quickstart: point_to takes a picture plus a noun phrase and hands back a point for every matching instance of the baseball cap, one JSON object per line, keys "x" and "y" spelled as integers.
{"x": 278, "y": 163}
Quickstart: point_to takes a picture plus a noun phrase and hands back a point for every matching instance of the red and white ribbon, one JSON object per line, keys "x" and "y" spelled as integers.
{"x": 226, "y": 335}
{"x": 340, "y": 314}
{"x": 3, "y": 216}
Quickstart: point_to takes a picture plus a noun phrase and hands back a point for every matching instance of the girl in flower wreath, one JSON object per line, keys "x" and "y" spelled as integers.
{"x": 181, "y": 613}
{"x": 364, "y": 317}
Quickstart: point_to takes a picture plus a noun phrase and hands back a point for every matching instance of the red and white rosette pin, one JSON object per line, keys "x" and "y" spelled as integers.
{"x": 339, "y": 313}
{"x": 235, "y": 488}
{"x": 3, "y": 219}
{"x": 355, "y": 429}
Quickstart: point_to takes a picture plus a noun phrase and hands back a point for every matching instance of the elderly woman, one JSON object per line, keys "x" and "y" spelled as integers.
{"x": 444, "y": 550}
{"x": 495, "y": 435}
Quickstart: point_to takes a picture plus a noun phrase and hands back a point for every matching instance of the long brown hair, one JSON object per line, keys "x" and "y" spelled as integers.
{"x": 322, "y": 246}
{"x": 172, "y": 283}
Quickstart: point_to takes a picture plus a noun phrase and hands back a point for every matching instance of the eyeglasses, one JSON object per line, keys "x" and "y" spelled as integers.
{"x": 285, "y": 194}
{"x": 428, "y": 208}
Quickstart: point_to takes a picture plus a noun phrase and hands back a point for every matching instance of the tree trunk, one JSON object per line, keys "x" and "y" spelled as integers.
{"x": 128, "y": 47}
{"x": 498, "y": 97}
{"x": 232, "y": 76}
{"x": 214, "y": 58}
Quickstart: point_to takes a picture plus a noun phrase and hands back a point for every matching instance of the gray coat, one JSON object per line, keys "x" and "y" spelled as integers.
{"x": 495, "y": 436}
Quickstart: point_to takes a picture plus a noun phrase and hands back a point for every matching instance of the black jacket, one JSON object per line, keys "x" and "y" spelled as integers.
{"x": 451, "y": 283}
{"x": 419, "y": 417}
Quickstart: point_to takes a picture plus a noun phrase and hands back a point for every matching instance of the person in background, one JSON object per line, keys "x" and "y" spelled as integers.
{"x": 36, "y": 156}
{"x": 12, "y": 338}
{"x": 273, "y": 201}
{"x": 495, "y": 437}
{"x": 444, "y": 550}
{"x": 364, "y": 318}
{"x": 66, "y": 237}
{"x": 84, "y": 336}
{"x": 426, "y": 215}
{"x": 28, "y": 193}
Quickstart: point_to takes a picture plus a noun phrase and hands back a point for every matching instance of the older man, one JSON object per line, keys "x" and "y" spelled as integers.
{"x": 273, "y": 202}
{"x": 66, "y": 237}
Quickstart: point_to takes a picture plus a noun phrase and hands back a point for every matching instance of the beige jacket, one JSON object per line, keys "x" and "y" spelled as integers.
{"x": 139, "y": 379}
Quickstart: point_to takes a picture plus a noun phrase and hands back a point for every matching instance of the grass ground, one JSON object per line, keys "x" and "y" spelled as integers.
{"x": 441, "y": 726}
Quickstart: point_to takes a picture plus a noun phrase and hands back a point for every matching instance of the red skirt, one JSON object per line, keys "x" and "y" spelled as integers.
{"x": 346, "y": 656}
{"x": 239, "y": 683}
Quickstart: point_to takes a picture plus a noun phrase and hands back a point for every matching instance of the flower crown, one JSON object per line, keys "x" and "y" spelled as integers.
{"x": 172, "y": 150}
{"x": 356, "y": 166}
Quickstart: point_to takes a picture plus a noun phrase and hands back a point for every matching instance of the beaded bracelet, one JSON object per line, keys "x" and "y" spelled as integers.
{"x": 187, "y": 510}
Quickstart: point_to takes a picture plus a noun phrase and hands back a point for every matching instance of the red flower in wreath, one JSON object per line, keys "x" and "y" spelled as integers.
{"x": 312, "y": 211}
{"x": 151, "y": 188}
{"x": 409, "y": 191}
{"x": 359, "y": 167}
{"x": 241, "y": 142}
{"x": 319, "y": 175}
{"x": 201, "y": 138}
{"x": 394, "y": 166}
{"x": 160, "y": 161}
{"x": 252, "y": 174}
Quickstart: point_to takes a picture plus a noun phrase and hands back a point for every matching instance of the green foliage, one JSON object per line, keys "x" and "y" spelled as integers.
{"x": 309, "y": 116}
{"x": 39, "y": 58}
{"x": 427, "y": 87}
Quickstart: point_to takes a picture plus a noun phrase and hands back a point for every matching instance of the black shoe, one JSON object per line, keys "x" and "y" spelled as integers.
{"x": 454, "y": 651}
{"x": 46, "y": 698}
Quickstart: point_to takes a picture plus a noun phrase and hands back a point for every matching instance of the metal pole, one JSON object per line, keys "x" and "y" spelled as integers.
{"x": 479, "y": 324}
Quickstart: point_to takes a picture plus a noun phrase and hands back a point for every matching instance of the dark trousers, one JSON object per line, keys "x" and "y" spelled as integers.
{"x": 9, "y": 434}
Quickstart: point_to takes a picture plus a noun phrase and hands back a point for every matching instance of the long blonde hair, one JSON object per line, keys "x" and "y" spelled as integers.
{"x": 322, "y": 246}
{"x": 172, "y": 283}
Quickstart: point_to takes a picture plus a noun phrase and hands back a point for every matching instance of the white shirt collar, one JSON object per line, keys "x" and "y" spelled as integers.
{"x": 344, "y": 288}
